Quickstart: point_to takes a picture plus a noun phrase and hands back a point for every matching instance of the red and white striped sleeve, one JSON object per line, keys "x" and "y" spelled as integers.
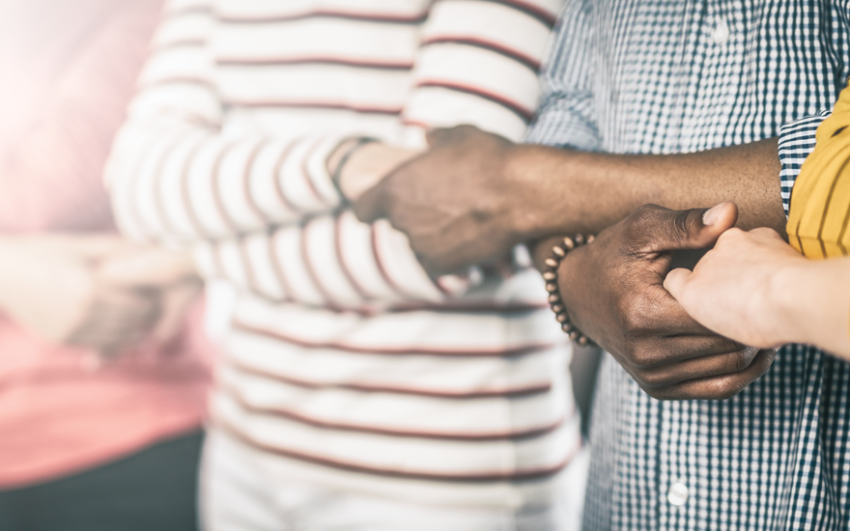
{"x": 332, "y": 261}
{"x": 483, "y": 73}
{"x": 478, "y": 64}
{"x": 176, "y": 176}
{"x": 259, "y": 208}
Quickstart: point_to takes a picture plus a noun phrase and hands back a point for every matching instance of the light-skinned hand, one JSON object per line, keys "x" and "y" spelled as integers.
{"x": 756, "y": 289}
{"x": 613, "y": 291}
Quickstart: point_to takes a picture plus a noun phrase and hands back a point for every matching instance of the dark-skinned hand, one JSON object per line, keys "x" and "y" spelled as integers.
{"x": 613, "y": 291}
{"x": 455, "y": 202}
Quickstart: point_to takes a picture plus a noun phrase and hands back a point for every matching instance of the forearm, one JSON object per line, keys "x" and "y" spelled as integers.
{"x": 811, "y": 302}
{"x": 580, "y": 192}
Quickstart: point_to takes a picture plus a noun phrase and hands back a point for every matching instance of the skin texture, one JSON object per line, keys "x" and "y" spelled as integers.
{"x": 756, "y": 289}
{"x": 367, "y": 166}
{"x": 618, "y": 278}
{"x": 96, "y": 292}
{"x": 474, "y": 195}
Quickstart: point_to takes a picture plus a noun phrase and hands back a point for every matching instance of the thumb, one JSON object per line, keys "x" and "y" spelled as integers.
{"x": 698, "y": 228}
{"x": 676, "y": 282}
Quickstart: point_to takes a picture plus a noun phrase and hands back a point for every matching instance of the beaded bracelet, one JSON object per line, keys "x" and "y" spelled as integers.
{"x": 560, "y": 251}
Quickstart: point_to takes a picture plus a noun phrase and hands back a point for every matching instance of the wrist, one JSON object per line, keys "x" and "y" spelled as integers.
{"x": 783, "y": 303}
{"x": 534, "y": 183}
{"x": 815, "y": 303}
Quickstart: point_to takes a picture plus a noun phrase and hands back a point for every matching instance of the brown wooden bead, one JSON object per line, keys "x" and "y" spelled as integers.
{"x": 551, "y": 262}
{"x": 562, "y": 318}
{"x": 579, "y": 239}
{"x": 549, "y": 276}
{"x": 559, "y": 251}
{"x": 582, "y": 340}
{"x": 557, "y": 308}
{"x": 566, "y": 327}
{"x": 591, "y": 238}
{"x": 569, "y": 244}
{"x": 551, "y": 287}
{"x": 554, "y": 298}
{"x": 573, "y": 335}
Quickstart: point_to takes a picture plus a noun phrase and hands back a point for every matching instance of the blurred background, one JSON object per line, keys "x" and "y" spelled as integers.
{"x": 103, "y": 367}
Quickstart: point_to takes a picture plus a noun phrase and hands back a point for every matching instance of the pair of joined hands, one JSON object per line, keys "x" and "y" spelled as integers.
{"x": 459, "y": 207}
{"x": 95, "y": 292}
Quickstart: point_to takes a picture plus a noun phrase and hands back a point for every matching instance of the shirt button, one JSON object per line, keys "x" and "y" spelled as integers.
{"x": 721, "y": 32}
{"x": 678, "y": 494}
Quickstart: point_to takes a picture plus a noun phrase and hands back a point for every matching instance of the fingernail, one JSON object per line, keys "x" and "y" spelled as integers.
{"x": 711, "y": 215}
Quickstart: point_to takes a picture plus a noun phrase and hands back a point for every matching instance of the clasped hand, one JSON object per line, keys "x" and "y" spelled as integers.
{"x": 459, "y": 206}
{"x": 613, "y": 289}
{"x": 95, "y": 292}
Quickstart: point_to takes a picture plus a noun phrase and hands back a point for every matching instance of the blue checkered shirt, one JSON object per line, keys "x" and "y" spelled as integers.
{"x": 671, "y": 76}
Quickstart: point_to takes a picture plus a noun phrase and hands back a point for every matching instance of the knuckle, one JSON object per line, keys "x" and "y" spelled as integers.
{"x": 642, "y": 357}
{"x": 681, "y": 225}
{"x": 657, "y": 394}
{"x": 635, "y": 321}
{"x": 642, "y": 219}
{"x": 732, "y": 235}
{"x": 727, "y": 388}
{"x": 737, "y": 361}
{"x": 653, "y": 380}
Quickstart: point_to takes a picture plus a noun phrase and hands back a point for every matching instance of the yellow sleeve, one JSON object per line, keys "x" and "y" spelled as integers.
{"x": 820, "y": 202}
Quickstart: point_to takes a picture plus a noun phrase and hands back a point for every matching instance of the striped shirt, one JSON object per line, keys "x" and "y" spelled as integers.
{"x": 345, "y": 361}
{"x": 655, "y": 77}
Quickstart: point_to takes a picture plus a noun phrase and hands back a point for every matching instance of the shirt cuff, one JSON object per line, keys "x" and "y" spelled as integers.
{"x": 796, "y": 142}
{"x": 567, "y": 123}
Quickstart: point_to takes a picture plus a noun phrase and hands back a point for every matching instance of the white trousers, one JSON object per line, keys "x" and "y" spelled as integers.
{"x": 236, "y": 496}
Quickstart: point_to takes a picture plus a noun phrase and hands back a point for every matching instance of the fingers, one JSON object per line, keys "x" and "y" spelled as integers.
{"x": 704, "y": 367}
{"x": 668, "y": 351}
{"x": 654, "y": 313}
{"x": 663, "y": 230}
{"x": 719, "y": 387}
{"x": 676, "y": 281}
{"x": 117, "y": 319}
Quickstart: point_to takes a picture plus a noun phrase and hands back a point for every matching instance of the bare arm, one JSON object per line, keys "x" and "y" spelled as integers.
{"x": 588, "y": 192}
{"x": 475, "y": 195}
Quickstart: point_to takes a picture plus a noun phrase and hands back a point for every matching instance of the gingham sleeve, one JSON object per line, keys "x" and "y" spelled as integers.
{"x": 566, "y": 116}
{"x": 796, "y": 142}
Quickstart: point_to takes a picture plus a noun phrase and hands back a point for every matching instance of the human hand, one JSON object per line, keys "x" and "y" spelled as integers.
{"x": 49, "y": 285}
{"x": 454, "y": 202}
{"x": 168, "y": 275}
{"x": 367, "y": 166}
{"x": 733, "y": 289}
{"x": 613, "y": 290}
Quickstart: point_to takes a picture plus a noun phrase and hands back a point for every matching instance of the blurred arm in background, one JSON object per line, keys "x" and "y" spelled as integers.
{"x": 56, "y": 229}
